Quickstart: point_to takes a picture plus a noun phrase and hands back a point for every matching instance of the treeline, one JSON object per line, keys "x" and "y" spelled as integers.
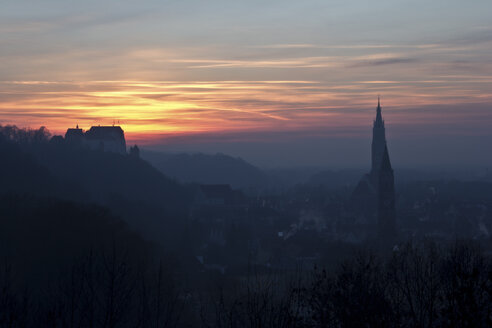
{"x": 421, "y": 285}
{"x": 417, "y": 286}
{"x": 24, "y": 135}
{"x": 64, "y": 264}
{"x": 100, "y": 289}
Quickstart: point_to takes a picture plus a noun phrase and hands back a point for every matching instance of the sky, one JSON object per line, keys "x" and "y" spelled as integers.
{"x": 277, "y": 82}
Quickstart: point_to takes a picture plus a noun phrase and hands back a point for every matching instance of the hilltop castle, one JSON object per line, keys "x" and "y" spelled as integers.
{"x": 104, "y": 138}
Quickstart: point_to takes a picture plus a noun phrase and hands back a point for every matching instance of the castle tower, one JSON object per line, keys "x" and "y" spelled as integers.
{"x": 386, "y": 202}
{"x": 378, "y": 141}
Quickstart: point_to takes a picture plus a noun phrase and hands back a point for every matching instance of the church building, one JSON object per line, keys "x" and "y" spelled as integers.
{"x": 374, "y": 197}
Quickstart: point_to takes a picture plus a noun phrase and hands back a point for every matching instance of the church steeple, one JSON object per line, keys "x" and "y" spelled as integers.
{"x": 379, "y": 116}
{"x": 378, "y": 139}
{"x": 374, "y": 197}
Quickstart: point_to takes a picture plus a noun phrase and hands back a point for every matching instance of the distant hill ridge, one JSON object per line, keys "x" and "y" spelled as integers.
{"x": 207, "y": 169}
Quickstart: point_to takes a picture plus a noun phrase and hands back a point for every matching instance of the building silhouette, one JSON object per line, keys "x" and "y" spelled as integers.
{"x": 104, "y": 138}
{"x": 74, "y": 135}
{"x": 378, "y": 141}
{"x": 373, "y": 200}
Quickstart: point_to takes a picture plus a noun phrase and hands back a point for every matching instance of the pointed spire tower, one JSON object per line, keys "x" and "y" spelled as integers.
{"x": 378, "y": 140}
{"x": 379, "y": 117}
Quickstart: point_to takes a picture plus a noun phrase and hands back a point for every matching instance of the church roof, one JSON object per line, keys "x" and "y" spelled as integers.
{"x": 74, "y": 133}
{"x": 379, "y": 116}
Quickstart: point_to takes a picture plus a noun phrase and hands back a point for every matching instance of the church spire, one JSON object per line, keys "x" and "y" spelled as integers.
{"x": 378, "y": 139}
{"x": 379, "y": 117}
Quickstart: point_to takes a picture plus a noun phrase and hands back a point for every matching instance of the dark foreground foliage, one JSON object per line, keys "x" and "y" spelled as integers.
{"x": 65, "y": 262}
{"x": 417, "y": 286}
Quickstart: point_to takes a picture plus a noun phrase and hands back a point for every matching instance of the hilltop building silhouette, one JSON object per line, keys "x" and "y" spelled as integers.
{"x": 74, "y": 135}
{"x": 373, "y": 199}
{"x": 104, "y": 138}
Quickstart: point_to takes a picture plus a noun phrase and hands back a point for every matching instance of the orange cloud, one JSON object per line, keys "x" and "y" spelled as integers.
{"x": 149, "y": 109}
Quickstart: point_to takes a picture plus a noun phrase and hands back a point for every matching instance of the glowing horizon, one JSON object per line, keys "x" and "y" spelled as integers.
{"x": 151, "y": 109}
{"x": 241, "y": 70}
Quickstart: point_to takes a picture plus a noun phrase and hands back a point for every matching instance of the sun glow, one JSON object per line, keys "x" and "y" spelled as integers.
{"x": 148, "y": 110}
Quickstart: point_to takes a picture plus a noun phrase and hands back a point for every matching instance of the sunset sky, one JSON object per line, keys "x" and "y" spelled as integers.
{"x": 278, "y": 82}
